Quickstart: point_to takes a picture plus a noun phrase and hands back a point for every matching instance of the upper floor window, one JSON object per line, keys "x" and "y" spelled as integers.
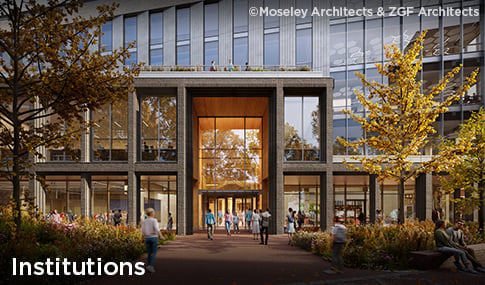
{"x": 272, "y": 49}
{"x": 106, "y": 41}
{"x": 302, "y": 128}
{"x": 271, "y": 21}
{"x": 211, "y": 19}
{"x": 156, "y": 38}
{"x": 241, "y": 19}
{"x": 130, "y": 31}
{"x": 183, "y": 24}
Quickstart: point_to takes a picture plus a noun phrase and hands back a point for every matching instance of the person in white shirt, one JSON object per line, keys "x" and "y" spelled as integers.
{"x": 151, "y": 232}
{"x": 339, "y": 232}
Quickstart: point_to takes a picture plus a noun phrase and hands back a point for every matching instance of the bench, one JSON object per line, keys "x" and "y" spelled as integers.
{"x": 427, "y": 259}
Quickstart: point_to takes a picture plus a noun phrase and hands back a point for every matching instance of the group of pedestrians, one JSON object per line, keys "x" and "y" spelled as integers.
{"x": 451, "y": 241}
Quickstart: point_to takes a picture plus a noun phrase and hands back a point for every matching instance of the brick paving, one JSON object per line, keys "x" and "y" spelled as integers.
{"x": 239, "y": 259}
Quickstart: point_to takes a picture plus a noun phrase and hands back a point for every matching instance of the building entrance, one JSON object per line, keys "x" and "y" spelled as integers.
{"x": 231, "y": 172}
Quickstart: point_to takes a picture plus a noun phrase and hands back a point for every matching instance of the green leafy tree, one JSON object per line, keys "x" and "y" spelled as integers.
{"x": 468, "y": 172}
{"x": 399, "y": 119}
{"x": 53, "y": 72}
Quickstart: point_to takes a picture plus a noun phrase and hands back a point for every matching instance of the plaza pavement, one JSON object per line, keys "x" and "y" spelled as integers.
{"x": 239, "y": 259}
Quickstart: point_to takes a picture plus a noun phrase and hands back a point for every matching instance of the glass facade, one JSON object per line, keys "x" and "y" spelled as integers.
{"x": 272, "y": 50}
{"x": 302, "y": 193}
{"x": 183, "y": 36}
{"x": 211, "y": 32}
{"x": 106, "y": 40}
{"x": 160, "y": 193}
{"x": 110, "y": 139}
{"x": 230, "y": 153}
{"x": 156, "y": 38}
{"x": 109, "y": 193}
{"x": 159, "y": 128}
{"x": 60, "y": 154}
{"x": 63, "y": 194}
{"x": 241, "y": 27}
{"x": 302, "y": 128}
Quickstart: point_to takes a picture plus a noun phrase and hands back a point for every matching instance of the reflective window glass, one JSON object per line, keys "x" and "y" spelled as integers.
{"x": 156, "y": 28}
{"x": 240, "y": 51}
{"x": 183, "y": 24}
{"x": 130, "y": 31}
{"x": 304, "y": 47}
{"x": 107, "y": 36}
{"x": 211, "y": 19}
{"x": 337, "y": 45}
{"x": 183, "y": 55}
{"x": 272, "y": 49}
{"x": 241, "y": 16}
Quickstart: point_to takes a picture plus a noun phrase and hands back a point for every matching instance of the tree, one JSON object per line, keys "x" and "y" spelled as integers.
{"x": 468, "y": 173}
{"x": 399, "y": 119}
{"x": 53, "y": 72}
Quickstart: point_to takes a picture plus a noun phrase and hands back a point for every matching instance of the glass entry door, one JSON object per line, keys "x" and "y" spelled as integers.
{"x": 239, "y": 205}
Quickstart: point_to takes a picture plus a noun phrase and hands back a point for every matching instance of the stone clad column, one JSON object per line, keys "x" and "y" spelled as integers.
{"x": 85, "y": 195}
{"x": 276, "y": 196}
{"x": 133, "y": 184}
{"x": 184, "y": 193}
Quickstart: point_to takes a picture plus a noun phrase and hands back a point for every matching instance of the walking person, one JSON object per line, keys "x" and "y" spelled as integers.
{"x": 170, "y": 222}
{"x": 265, "y": 219}
{"x": 249, "y": 215}
{"x": 290, "y": 225}
{"x": 151, "y": 232}
{"x": 339, "y": 233}
{"x": 117, "y": 217}
{"x": 445, "y": 245}
{"x": 235, "y": 222}
{"x": 456, "y": 236}
{"x": 255, "y": 218}
{"x": 210, "y": 221}
{"x": 228, "y": 220}
{"x": 301, "y": 219}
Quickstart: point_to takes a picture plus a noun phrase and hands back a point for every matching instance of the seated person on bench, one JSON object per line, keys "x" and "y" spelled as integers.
{"x": 456, "y": 237}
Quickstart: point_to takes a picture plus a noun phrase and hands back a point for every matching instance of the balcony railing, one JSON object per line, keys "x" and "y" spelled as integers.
{"x": 224, "y": 68}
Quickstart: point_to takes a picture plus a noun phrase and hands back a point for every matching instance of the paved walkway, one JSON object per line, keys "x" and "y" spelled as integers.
{"x": 239, "y": 259}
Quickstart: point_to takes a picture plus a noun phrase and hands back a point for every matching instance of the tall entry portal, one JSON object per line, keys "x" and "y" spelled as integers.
{"x": 230, "y": 156}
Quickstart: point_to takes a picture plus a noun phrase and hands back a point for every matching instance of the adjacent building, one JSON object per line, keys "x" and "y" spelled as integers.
{"x": 257, "y": 128}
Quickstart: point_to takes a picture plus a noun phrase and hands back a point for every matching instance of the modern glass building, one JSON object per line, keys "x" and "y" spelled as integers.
{"x": 259, "y": 131}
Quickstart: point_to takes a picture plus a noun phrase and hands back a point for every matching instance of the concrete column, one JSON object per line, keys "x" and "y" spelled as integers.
{"x": 225, "y": 31}
{"x": 321, "y": 38}
{"x": 143, "y": 37}
{"x": 373, "y": 196}
{"x": 184, "y": 192}
{"x": 133, "y": 183}
{"x": 118, "y": 36}
{"x": 169, "y": 36}
{"x": 197, "y": 34}
{"x": 327, "y": 199}
{"x": 277, "y": 200}
{"x": 256, "y": 35}
{"x": 133, "y": 205}
{"x": 424, "y": 196}
{"x": 287, "y": 35}
{"x": 85, "y": 195}
{"x": 85, "y": 142}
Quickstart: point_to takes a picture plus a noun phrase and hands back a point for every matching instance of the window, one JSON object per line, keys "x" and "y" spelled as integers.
{"x": 64, "y": 195}
{"x": 160, "y": 193}
{"x": 60, "y": 154}
{"x": 392, "y": 32}
{"x": 272, "y": 49}
{"x": 211, "y": 19}
{"x": 107, "y": 36}
{"x": 302, "y": 194}
{"x": 304, "y": 4}
{"x": 241, "y": 16}
{"x": 240, "y": 51}
{"x": 110, "y": 139}
{"x": 337, "y": 45}
{"x": 304, "y": 47}
{"x": 271, "y": 21}
{"x": 183, "y": 36}
{"x": 451, "y": 35}
{"x": 211, "y": 53}
{"x": 183, "y": 24}
{"x": 159, "y": 128}
{"x": 302, "y": 128}
{"x": 156, "y": 38}
{"x": 183, "y": 55}
{"x": 230, "y": 153}
{"x": 374, "y": 41}
{"x": 471, "y": 33}
{"x": 130, "y": 37}
{"x": 109, "y": 193}
{"x": 355, "y": 43}
{"x": 431, "y": 46}
{"x": 473, "y": 95}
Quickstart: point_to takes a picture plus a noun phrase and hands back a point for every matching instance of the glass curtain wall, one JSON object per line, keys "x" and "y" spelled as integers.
{"x": 304, "y": 36}
{"x": 159, "y": 128}
{"x": 60, "y": 153}
{"x": 230, "y": 153}
{"x": 211, "y": 35}
{"x": 110, "y": 132}
{"x": 108, "y": 194}
{"x": 271, "y": 44}
{"x": 302, "y": 193}
{"x": 357, "y": 44}
{"x": 160, "y": 193}
{"x": 63, "y": 194}
{"x": 351, "y": 194}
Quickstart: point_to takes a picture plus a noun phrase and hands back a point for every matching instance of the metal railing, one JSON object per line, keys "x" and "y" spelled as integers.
{"x": 224, "y": 68}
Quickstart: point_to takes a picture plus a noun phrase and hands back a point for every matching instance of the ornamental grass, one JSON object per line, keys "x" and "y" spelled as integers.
{"x": 380, "y": 247}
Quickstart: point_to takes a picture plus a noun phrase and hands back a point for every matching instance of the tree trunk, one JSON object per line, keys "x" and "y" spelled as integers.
{"x": 481, "y": 210}
{"x": 400, "y": 198}
{"x": 16, "y": 177}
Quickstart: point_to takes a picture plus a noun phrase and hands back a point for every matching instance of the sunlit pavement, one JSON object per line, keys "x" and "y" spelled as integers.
{"x": 238, "y": 259}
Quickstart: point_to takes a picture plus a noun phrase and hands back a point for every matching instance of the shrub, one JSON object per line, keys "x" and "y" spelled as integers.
{"x": 379, "y": 247}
